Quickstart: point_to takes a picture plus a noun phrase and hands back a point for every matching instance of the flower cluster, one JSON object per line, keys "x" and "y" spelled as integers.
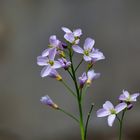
{"x": 109, "y": 110}
{"x": 59, "y": 54}
{"x": 54, "y": 57}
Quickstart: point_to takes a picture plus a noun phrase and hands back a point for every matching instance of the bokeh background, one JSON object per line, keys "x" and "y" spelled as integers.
{"x": 25, "y": 26}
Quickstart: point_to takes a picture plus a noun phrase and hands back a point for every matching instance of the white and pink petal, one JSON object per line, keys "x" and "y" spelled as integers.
{"x": 108, "y": 105}
{"x": 77, "y": 32}
{"x": 69, "y": 37}
{"x": 134, "y": 96}
{"x": 56, "y": 65}
{"x": 122, "y": 97}
{"x": 52, "y": 53}
{"x": 120, "y": 107}
{"x": 45, "y": 52}
{"x": 102, "y": 113}
{"x": 66, "y": 30}
{"x": 126, "y": 93}
{"x": 77, "y": 49}
{"x": 111, "y": 119}
{"x": 42, "y": 61}
{"x": 46, "y": 71}
{"x": 89, "y": 43}
{"x": 87, "y": 58}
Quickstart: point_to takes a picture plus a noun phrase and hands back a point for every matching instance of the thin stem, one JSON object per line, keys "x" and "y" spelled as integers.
{"x": 88, "y": 117}
{"x": 89, "y": 67}
{"x": 121, "y": 124}
{"x": 78, "y": 96}
{"x": 68, "y": 114}
{"x": 118, "y": 118}
{"x": 73, "y": 72}
{"x": 70, "y": 74}
{"x": 71, "y": 91}
{"x": 78, "y": 65}
{"x": 81, "y": 121}
{"x": 84, "y": 93}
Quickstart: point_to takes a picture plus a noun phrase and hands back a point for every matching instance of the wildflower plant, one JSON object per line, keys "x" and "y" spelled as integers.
{"x": 112, "y": 112}
{"x": 60, "y": 54}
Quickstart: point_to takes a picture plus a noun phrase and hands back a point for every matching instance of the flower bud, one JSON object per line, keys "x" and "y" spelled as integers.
{"x": 46, "y": 100}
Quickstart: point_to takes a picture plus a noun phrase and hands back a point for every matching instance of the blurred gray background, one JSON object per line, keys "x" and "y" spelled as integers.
{"x": 25, "y": 26}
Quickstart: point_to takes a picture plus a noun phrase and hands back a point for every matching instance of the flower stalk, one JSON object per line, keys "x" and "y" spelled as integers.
{"x": 68, "y": 114}
{"x": 78, "y": 95}
{"x": 121, "y": 124}
{"x": 60, "y": 55}
{"x": 88, "y": 117}
{"x": 69, "y": 89}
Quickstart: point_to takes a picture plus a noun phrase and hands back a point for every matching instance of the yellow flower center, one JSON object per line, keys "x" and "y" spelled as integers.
{"x": 113, "y": 111}
{"x": 51, "y": 63}
{"x": 86, "y": 52}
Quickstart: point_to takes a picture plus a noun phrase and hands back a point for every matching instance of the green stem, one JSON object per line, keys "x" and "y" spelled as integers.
{"x": 71, "y": 91}
{"x": 88, "y": 117}
{"x": 73, "y": 72}
{"x": 121, "y": 125}
{"x": 84, "y": 93}
{"x": 78, "y": 96}
{"x": 68, "y": 114}
{"x": 70, "y": 74}
{"x": 81, "y": 121}
{"x": 89, "y": 67}
{"x": 78, "y": 65}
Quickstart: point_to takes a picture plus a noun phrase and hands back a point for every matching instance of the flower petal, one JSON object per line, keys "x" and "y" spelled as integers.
{"x": 46, "y": 100}
{"x": 66, "y": 30}
{"x": 120, "y": 107}
{"x": 69, "y": 37}
{"x": 92, "y": 75}
{"x": 111, "y": 119}
{"x": 53, "y": 73}
{"x": 41, "y": 61}
{"x": 87, "y": 58}
{"x": 97, "y": 56}
{"x": 77, "y": 49}
{"x": 134, "y": 96}
{"x": 46, "y": 71}
{"x": 54, "y": 42}
{"x": 89, "y": 43}
{"x": 108, "y": 105}
{"x": 45, "y": 52}
{"x": 122, "y": 97}
{"x": 83, "y": 79}
{"x": 77, "y": 32}
{"x": 102, "y": 112}
{"x": 126, "y": 93}
{"x": 52, "y": 39}
{"x": 56, "y": 65}
{"x": 52, "y": 53}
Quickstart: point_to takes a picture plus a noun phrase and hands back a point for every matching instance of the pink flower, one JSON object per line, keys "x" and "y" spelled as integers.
{"x": 110, "y": 111}
{"x": 88, "y": 77}
{"x": 48, "y": 62}
{"x": 72, "y": 36}
{"x": 126, "y": 97}
{"x": 89, "y": 53}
